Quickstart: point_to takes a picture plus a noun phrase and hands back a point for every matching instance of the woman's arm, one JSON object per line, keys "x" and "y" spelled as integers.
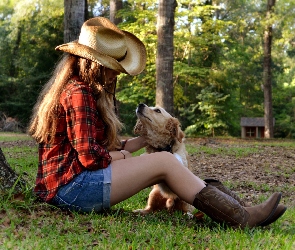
{"x": 135, "y": 144}
{"x": 131, "y": 146}
{"x": 120, "y": 155}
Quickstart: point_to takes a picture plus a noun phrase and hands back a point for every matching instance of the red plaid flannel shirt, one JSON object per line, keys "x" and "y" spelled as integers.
{"x": 77, "y": 143}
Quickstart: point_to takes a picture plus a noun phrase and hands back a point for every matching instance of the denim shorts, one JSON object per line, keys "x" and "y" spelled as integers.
{"x": 88, "y": 192}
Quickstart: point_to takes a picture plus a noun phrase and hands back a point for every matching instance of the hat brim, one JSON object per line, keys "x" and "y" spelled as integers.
{"x": 133, "y": 63}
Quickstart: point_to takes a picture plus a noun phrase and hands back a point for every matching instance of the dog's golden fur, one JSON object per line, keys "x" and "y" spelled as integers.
{"x": 162, "y": 132}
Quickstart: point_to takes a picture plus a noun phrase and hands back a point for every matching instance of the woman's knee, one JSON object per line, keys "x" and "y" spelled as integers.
{"x": 164, "y": 155}
{"x": 166, "y": 160}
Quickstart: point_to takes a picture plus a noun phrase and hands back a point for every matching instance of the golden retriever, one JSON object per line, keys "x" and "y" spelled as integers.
{"x": 162, "y": 133}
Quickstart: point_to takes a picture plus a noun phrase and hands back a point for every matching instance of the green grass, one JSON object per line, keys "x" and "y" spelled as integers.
{"x": 23, "y": 160}
{"x": 4, "y": 136}
{"x": 277, "y": 143}
{"x": 42, "y": 227}
{"x": 27, "y": 224}
{"x": 234, "y": 151}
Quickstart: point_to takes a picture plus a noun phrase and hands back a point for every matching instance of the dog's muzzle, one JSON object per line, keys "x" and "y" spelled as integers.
{"x": 140, "y": 108}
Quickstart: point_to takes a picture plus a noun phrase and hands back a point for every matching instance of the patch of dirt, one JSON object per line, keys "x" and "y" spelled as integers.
{"x": 263, "y": 170}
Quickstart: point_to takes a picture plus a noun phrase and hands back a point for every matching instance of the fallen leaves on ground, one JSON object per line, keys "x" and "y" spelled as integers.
{"x": 265, "y": 170}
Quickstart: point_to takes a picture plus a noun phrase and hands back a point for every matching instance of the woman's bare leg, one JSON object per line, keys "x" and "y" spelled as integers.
{"x": 131, "y": 175}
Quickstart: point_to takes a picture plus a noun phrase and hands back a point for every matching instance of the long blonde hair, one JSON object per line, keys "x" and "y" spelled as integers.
{"x": 44, "y": 119}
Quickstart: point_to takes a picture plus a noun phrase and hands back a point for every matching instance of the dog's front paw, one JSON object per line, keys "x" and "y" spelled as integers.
{"x": 189, "y": 215}
{"x": 142, "y": 211}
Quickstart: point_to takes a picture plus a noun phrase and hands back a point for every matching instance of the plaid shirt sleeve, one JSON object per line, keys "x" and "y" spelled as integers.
{"x": 85, "y": 128}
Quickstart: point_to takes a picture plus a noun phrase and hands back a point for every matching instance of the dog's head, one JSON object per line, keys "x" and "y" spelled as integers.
{"x": 157, "y": 126}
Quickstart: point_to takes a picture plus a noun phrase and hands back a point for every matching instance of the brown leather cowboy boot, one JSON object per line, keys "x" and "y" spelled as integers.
{"x": 224, "y": 189}
{"x": 281, "y": 209}
{"x": 224, "y": 208}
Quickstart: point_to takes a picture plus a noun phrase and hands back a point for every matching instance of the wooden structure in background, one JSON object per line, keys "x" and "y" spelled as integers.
{"x": 253, "y": 127}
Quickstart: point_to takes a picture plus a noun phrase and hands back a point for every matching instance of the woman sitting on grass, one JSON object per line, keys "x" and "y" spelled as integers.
{"x": 83, "y": 166}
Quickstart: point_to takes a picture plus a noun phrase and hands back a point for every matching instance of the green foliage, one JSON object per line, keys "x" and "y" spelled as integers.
{"x": 217, "y": 43}
{"x": 211, "y": 107}
{"x": 32, "y": 29}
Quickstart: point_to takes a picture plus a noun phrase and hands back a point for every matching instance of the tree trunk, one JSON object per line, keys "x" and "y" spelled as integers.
{"x": 267, "y": 88}
{"x": 8, "y": 177}
{"x": 15, "y": 50}
{"x": 74, "y": 17}
{"x": 115, "y": 6}
{"x": 164, "y": 60}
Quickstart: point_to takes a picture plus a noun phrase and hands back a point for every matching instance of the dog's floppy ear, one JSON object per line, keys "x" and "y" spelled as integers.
{"x": 139, "y": 129}
{"x": 173, "y": 126}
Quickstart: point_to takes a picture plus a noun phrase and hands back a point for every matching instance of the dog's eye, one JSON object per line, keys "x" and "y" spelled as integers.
{"x": 157, "y": 110}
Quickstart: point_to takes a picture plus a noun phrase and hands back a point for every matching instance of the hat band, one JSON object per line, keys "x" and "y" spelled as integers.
{"x": 122, "y": 58}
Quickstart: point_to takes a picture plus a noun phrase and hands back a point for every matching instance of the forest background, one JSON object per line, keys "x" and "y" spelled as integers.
{"x": 218, "y": 60}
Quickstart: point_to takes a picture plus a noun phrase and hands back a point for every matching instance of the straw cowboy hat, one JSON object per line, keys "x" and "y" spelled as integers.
{"x": 103, "y": 42}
